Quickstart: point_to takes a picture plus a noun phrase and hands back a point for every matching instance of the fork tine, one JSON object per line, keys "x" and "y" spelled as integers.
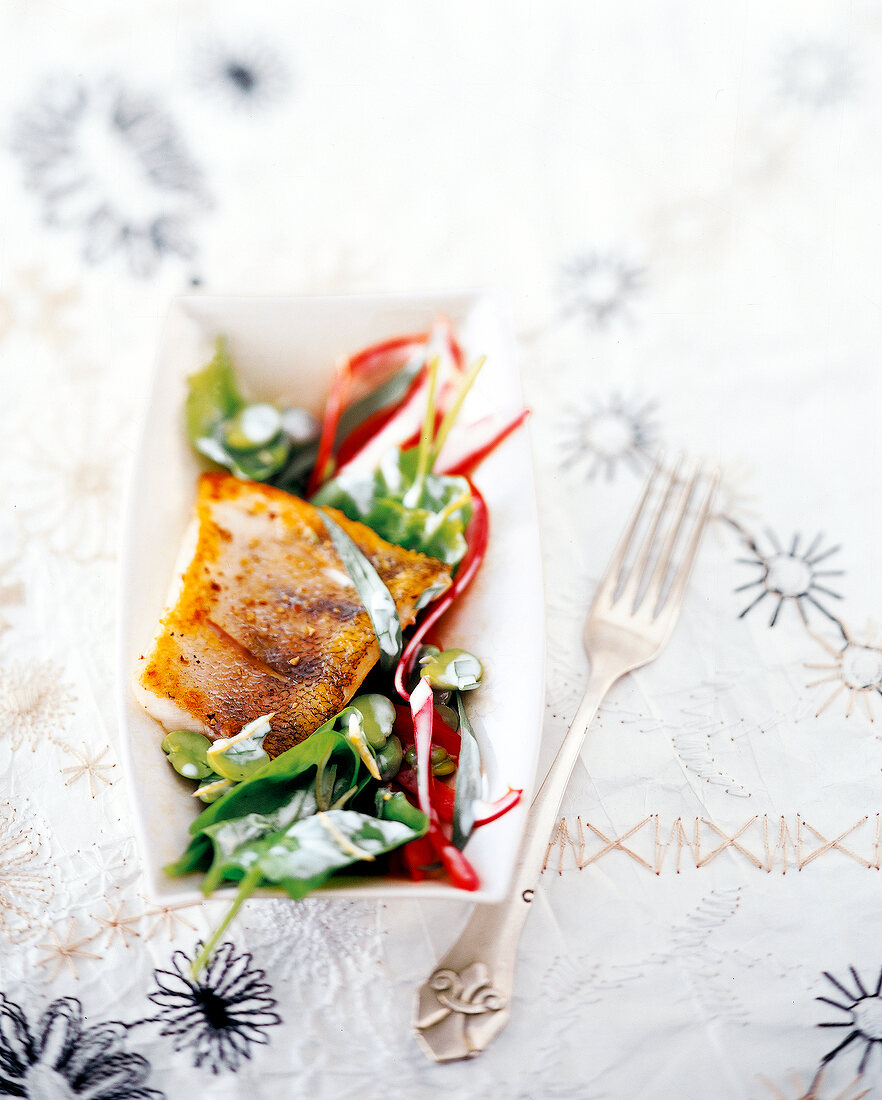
{"x": 631, "y": 588}
{"x": 654, "y": 587}
{"x": 610, "y": 582}
{"x": 678, "y": 586}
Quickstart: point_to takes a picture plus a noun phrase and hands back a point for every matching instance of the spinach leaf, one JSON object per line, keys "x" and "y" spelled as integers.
{"x": 434, "y": 523}
{"x": 301, "y": 856}
{"x": 310, "y": 850}
{"x": 271, "y": 790}
{"x": 372, "y": 592}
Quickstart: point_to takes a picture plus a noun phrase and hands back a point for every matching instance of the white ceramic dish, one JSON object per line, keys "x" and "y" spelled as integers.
{"x": 287, "y": 347}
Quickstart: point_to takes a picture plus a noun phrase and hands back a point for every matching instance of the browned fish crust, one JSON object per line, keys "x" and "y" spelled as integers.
{"x": 266, "y": 619}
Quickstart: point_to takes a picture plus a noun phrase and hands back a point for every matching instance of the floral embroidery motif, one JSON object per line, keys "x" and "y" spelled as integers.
{"x": 790, "y": 576}
{"x": 219, "y": 1015}
{"x": 609, "y": 433}
{"x": 89, "y": 766}
{"x": 324, "y": 942}
{"x": 117, "y": 925}
{"x": 37, "y": 308}
{"x": 864, "y": 1011}
{"x": 60, "y": 1057}
{"x": 64, "y": 951}
{"x": 855, "y": 669}
{"x": 246, "y": 75}
{"x": 168, "y": 917}
{"x": 25, "y": 888}
{"x": 598, "y": 287}
{"x": 68, "y": 494}
{"x": 137, "y": 197}
{"x": 34, "y": 702}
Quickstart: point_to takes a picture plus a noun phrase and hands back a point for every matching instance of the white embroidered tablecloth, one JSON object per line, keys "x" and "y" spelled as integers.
{"x": 682, "y": 201}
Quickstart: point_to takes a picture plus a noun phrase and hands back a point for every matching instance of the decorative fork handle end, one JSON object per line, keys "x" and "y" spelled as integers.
{"x": 459, "y": 1013}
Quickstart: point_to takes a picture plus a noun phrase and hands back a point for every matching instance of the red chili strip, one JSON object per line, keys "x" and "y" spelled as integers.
{"x": 465, "y": 466}
{"x": 476, "y": 537}
{"x": 441, "y": 796}
{"x": 362, "y": 364}
{"x": 490, "y": 811}
{"x": 419, "y": 855}
{"x": 461, "y": 872}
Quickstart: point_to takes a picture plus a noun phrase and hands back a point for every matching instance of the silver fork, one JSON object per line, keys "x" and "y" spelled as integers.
{"x": 466, "y": 1001}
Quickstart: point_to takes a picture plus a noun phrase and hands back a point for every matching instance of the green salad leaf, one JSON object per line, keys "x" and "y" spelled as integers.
{"x": 276, "y": 828}
{"x": 249, "y": 438}
{"x": 212, "y": 398}
{"x": 431, "y": 520}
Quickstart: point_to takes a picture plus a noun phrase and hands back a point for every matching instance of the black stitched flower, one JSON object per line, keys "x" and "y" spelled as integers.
{"x": 60, "y": 1057}
{"x": 107, "y": 161}
{"x": 220, "y": 1014}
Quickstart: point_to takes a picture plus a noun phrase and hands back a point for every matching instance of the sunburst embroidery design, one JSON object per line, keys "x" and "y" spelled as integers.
{"x": 856, "y": 668}
{"x": 25, "y": 886}
{"x": 864, "y": 1011}
{"x": 64, "y": 951}
{"x": 68, "y": 494}
{"x": 117, "y": 925}
{"x": 109, "y": 163}
{"x": 813, "y": 1090}
{"x": 604, "y": 435}
{"x": 34, "y": 703}
{"x": 816, "y": 75}
{"x": 599, "y": 288}
{"x": 168, "y": 917}
{"x": 790, "y": 576}
{"x": 89, "y": 767}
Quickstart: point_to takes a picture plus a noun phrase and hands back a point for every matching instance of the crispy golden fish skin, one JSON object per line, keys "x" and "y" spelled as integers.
{"x": 266, "y": 618}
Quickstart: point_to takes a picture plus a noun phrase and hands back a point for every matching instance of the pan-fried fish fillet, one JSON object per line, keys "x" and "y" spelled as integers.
{"x": 266, "y": 619}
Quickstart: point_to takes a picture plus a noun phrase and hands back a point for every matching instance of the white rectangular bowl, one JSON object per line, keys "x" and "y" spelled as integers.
{"x": 287, "y": 348}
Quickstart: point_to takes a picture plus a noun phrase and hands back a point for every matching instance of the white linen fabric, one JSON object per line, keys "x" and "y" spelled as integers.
{"x": 682, "y": 201}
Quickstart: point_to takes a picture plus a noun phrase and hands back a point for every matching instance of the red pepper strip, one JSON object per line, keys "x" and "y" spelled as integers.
{"x": 418, "y": 855}
{"x": 441, "y": 795}
{"x": 461, "y": 872}
{"x": 364, "y": 363}
{"x": 452, "y": 343}
{"x": 476, "y": 537}
{"x": 442, "y": 734}
{"x": 333, "y": 409}
{"x": 464, "y": 465}
{"x": 458, "y": 868}
{"x": 490, "y": 811}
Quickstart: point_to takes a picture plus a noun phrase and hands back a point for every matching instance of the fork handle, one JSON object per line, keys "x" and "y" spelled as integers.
{"x": 466, "y": 1002}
